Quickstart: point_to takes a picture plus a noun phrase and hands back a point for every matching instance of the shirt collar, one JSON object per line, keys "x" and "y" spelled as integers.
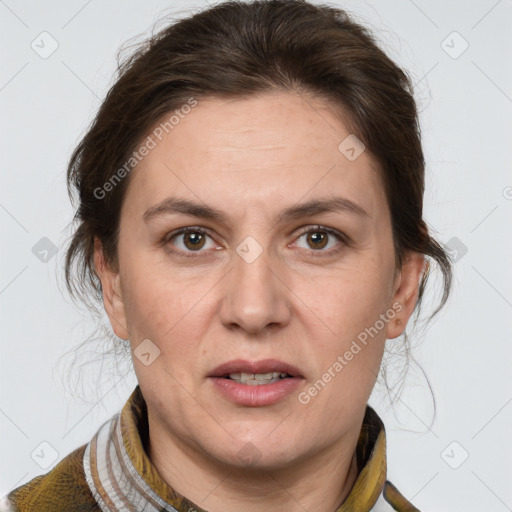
{"x": 120, "y": 474}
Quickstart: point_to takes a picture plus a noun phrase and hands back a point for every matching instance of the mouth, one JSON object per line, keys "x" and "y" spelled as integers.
{"x": 257, "y": 383}
{"x": 257, "y": 379}
{"x": 255, "y": 373}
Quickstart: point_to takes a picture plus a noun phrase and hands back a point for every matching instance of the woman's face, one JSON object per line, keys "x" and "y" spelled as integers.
{"x": 288, "y": 267}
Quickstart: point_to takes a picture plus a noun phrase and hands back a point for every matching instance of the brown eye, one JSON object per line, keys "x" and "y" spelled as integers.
{"x": 189, "y": 240}
{"x": 194, "y": 240}
{"x": 320, "y": 238}
{"x": 317, "y": 239}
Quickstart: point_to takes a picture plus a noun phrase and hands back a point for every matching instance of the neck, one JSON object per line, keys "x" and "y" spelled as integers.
{"x": 321, "y": 482}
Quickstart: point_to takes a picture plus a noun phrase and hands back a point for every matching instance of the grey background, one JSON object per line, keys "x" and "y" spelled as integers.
{"x": 460, "y": 461}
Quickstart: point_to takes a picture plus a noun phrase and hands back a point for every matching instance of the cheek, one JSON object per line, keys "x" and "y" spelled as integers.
{"x": 164, "y": 307}
{"x": 351, "y": 299}
{"x": 347, "y": 347}
{"x": 347, "y": 309}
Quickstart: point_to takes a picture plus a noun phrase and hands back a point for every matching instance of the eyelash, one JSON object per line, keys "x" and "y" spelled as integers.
{"x": 191, "y": 229}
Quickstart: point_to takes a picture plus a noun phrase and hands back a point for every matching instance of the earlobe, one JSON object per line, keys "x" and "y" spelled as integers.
{"x": 112, "y": 293}
{"x": 406, "y": 292}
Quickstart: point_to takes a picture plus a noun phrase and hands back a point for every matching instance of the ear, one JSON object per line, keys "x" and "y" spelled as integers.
{"x": 407, "y": 284}
{"x": 111, "y": 289}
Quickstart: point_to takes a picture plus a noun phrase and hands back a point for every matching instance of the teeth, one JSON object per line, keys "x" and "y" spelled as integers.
{"x": 256, "y": 379}
{"x": 265, "y": 376}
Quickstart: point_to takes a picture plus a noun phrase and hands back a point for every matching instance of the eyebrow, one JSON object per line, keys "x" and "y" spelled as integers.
{"x": 173, "y": 205}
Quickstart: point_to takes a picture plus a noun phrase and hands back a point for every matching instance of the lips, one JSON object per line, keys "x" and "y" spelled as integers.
{"x": 255, "y": 383}
{"x": 255, "y": 367}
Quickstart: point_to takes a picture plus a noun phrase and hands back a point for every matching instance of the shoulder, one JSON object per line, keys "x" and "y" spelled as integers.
{"x": 63, "y": 488}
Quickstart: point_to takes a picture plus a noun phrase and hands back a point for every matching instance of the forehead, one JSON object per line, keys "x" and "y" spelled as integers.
{"x": 260, "y": 151}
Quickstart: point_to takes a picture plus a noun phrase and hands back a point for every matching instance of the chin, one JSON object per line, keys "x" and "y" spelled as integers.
{"x": 255, "y": 455}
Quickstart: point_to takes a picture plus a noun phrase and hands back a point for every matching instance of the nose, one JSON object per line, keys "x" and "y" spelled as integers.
{"x": 255, "y": 296}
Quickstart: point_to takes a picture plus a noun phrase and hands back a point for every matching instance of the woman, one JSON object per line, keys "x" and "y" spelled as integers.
{"x": 251, "y": 216}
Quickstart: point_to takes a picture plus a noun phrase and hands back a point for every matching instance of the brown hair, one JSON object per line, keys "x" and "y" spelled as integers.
{"x": 236, "y": 49}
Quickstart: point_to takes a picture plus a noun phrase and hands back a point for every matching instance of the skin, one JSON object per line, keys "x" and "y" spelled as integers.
{"x": 297, "y": 302}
